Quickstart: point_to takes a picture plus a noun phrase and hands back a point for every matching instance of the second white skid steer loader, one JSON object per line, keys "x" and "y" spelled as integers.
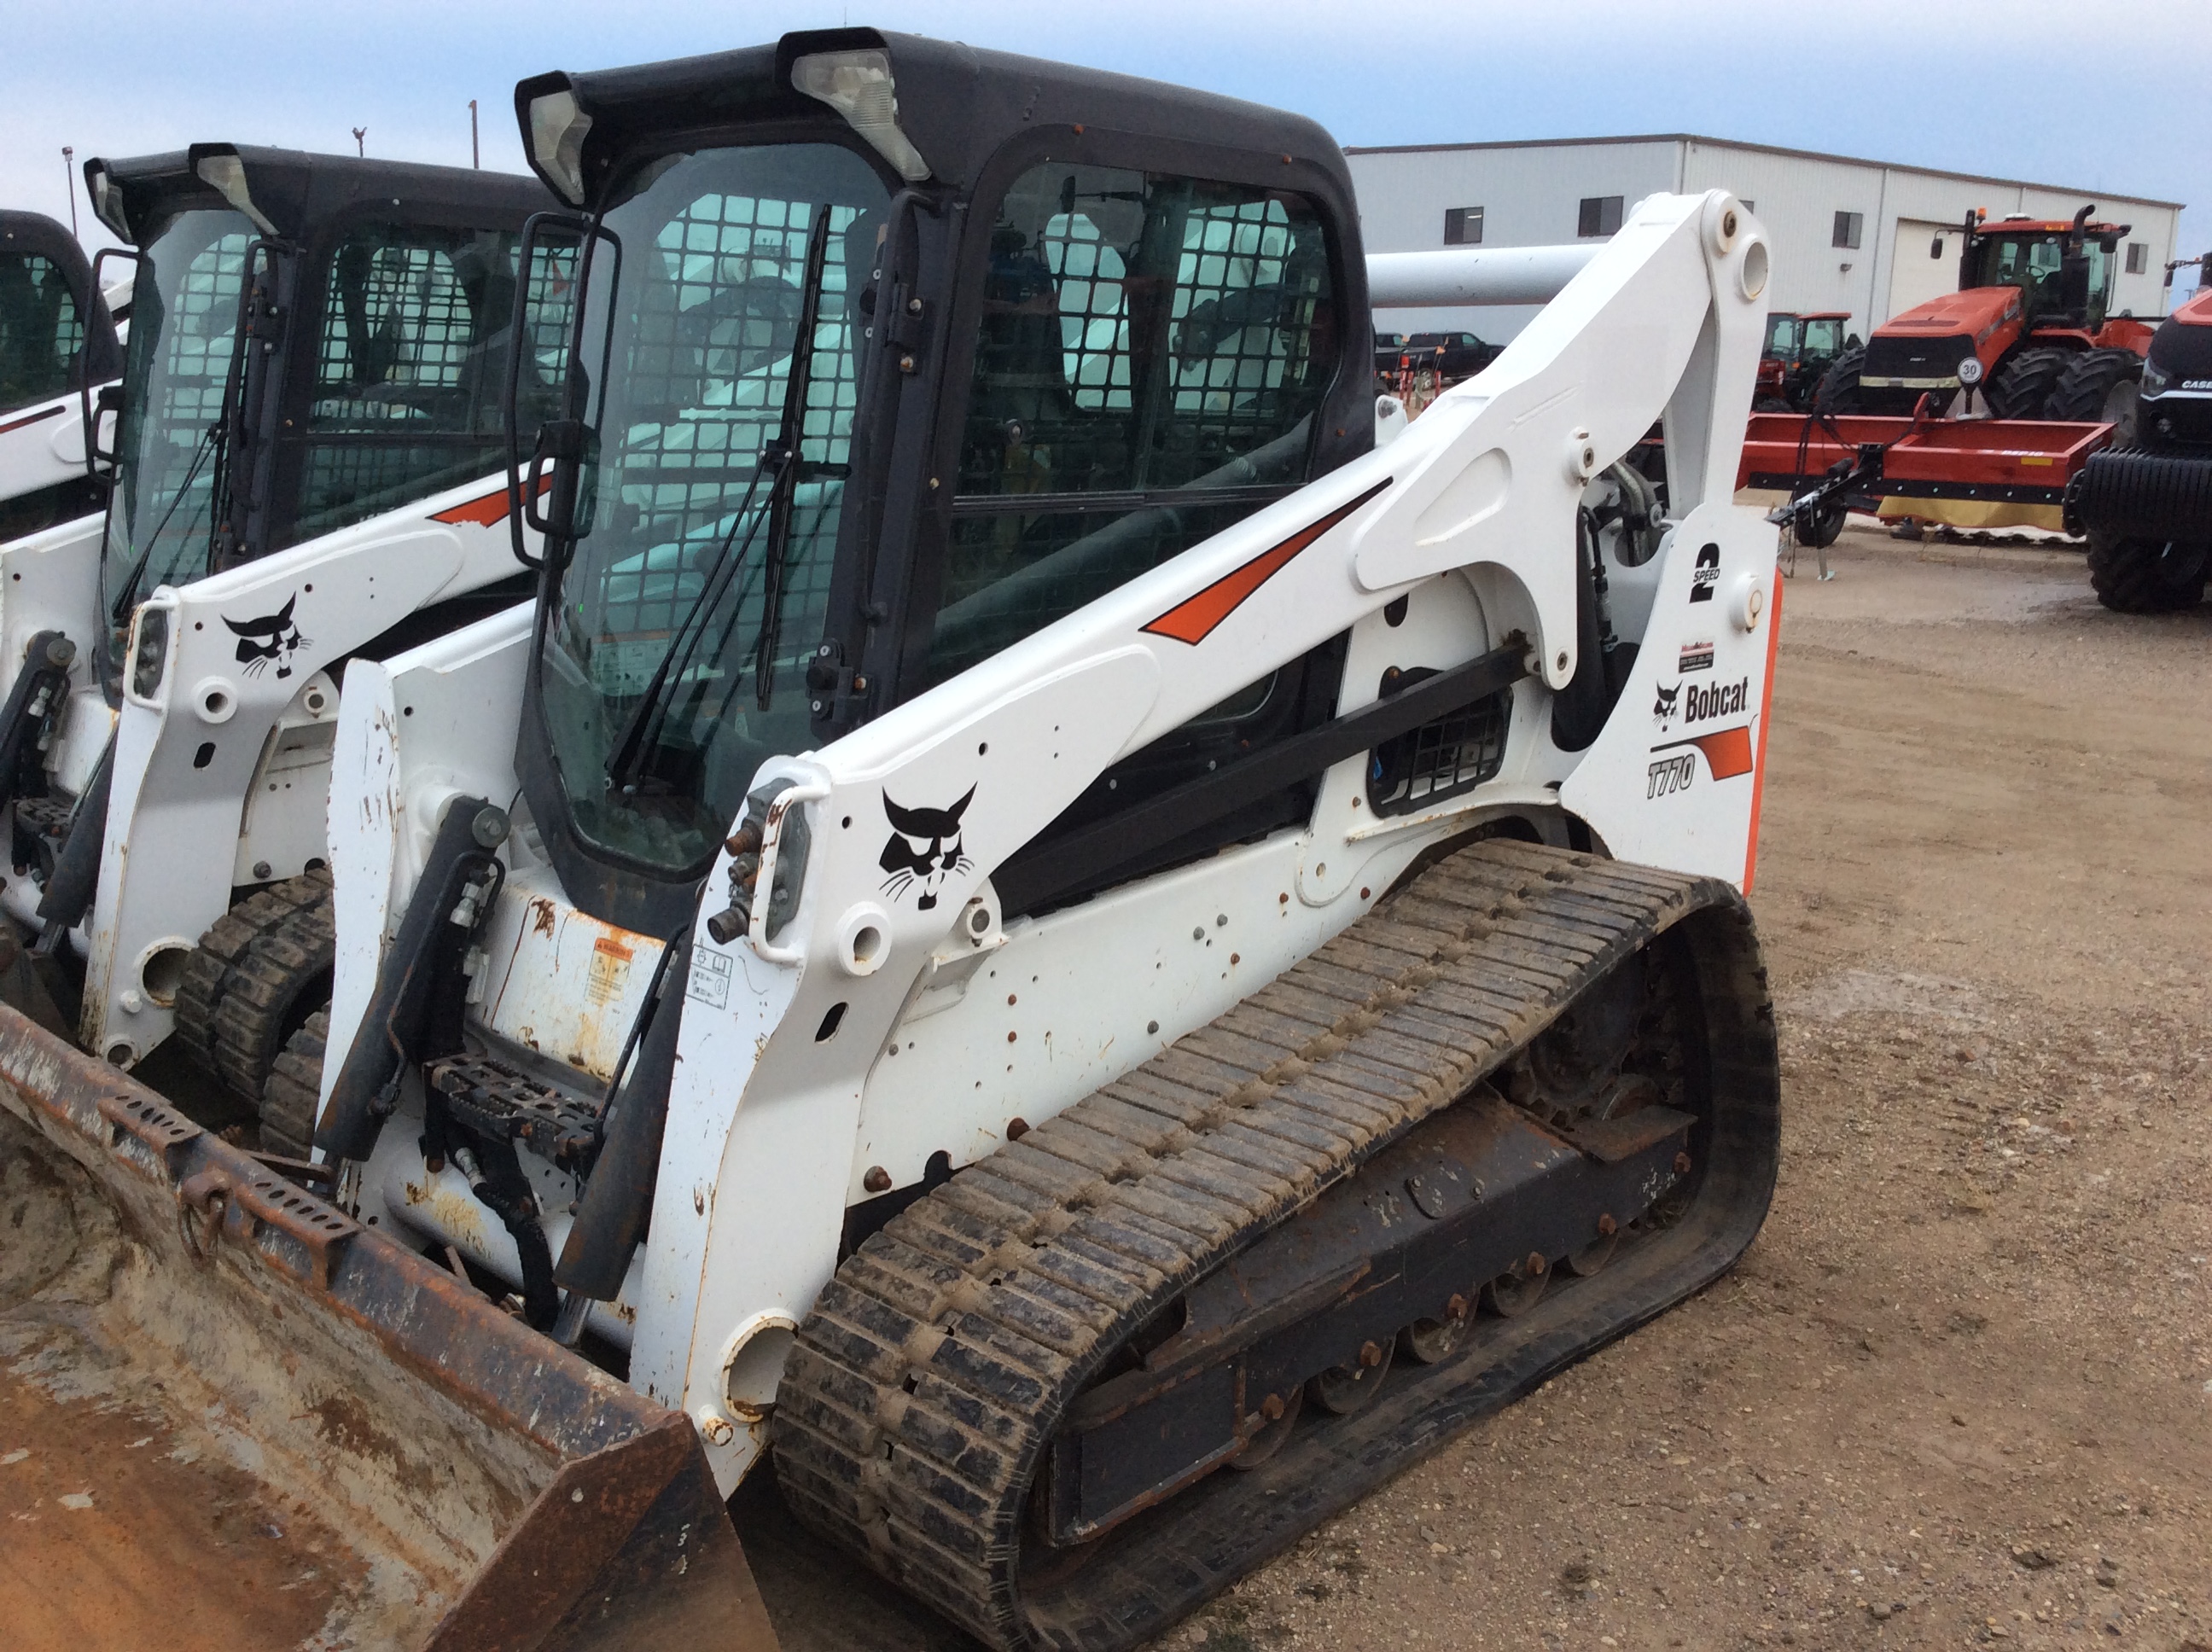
{"x": 307, "y": 448}
{"x": 1033, "y": 926}
{"x": 57, "y": 344}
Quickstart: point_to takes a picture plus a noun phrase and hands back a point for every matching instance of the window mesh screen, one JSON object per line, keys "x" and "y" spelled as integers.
{"x": 410, "y": 365}
{"x": 1143, "y": 337}
{"x": 1441, "y": 759}
{"x": 706, "y": 372}
{"x": 40, "y": 331}
{"x": 1462, "y": 226}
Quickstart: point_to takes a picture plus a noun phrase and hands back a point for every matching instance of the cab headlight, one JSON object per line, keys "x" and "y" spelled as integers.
{"x": 858, "y": 86}
{"x": 558, "y": 127}
{"x": 150, "y": 652}
{"x": 1970, "y": 370}
{"x": 2155, "y": 379}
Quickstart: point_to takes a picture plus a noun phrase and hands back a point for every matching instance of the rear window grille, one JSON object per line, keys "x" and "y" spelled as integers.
{"x": 1441, "y": 759}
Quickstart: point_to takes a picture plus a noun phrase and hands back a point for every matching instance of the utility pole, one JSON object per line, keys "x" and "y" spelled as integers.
{"x": 476, "y": 154}
{"x": 359, "y": 147}
{"x": 69, "y": 185}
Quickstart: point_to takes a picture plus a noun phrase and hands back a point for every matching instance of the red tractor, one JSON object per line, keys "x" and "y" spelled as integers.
{"x": 1800, "y": 349}
{"x": 2029, "y": 326}
{"x": 2146, "y": 507}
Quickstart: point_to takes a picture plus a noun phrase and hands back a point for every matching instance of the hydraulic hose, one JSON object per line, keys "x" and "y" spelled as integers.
{"x": 391, "y": 1034}
{"x": 497, "y": 1178}
{"x": 39, "y": 688}
{"x": 76, "y": 876}
{"x": 1579, "y": 711}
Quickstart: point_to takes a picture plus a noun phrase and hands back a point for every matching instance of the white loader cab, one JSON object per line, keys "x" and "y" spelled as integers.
{"x": 304, "y": 468}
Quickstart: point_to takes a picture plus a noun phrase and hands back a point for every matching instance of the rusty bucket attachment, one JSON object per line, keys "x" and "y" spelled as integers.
{"x": 511, "y": 1497}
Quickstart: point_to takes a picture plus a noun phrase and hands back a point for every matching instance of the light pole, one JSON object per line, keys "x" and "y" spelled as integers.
{"x": 359, "y": 147}
{"x": 68, "y": 182}
{"x": 476, "y": 154}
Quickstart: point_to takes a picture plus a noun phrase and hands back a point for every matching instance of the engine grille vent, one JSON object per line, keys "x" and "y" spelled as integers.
{"x": 1455, "y": 753}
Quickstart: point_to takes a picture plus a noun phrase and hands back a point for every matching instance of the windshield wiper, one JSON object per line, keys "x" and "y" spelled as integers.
{"x": 627, "y": 759}
{"x": 788, "y": 437}
{"x": 127, "y": 597}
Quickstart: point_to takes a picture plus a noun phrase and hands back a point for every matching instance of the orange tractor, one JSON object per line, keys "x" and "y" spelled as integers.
{"x": 2030, "y": 327}
{"x": 1799, "y": 350}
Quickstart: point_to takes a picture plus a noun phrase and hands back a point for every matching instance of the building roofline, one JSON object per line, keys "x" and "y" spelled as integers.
{"x": 1760, "y": 148}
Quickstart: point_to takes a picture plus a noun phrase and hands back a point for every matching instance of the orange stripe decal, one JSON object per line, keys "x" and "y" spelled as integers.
{"x": 1765, "y": 705}
{"x": 39, "y": 417}
{"x": 1195, "y": 617}
{"x": 487, "y": 512}
{"x": 1727, "y": 751}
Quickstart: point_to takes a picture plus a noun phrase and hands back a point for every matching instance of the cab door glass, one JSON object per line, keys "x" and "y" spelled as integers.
{"x": 183, "y": 319}
{"x": 2100, "y": 281}
{"x": 410, "y": 361}
{"x": 1151, "y": 354}
{"x": 41, "y": 329}
{"x": 674, "y": 660}
{"x": 1822, "y": 337}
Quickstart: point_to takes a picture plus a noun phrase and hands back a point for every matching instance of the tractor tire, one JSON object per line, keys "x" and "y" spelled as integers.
{"x": 2098, "y": 387}
{"x": 294, "y": 1093}
{"x": 2146, "y": 576}
{"x": 259, "y": 971}
{"x": 1822, "y": 530}
{"x": 1837, "y": 392}
{"x": 1770, "y": 404}
{"x": 2024, "y": 380}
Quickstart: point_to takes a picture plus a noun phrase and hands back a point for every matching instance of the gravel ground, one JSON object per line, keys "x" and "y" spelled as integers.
{"x": 1960, "y": 1390}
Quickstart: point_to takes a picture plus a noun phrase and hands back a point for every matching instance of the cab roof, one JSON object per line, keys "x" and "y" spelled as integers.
{"x": 289, "y": 192}
{"x": 2046, "y": 227}
{"x": 956, "y": 105}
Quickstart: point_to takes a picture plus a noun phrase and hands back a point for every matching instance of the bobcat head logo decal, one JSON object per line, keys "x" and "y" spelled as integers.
{"x": 1662, "y": 707}
{"x": 272, "y": 637}
{"x": 923, "y": 847}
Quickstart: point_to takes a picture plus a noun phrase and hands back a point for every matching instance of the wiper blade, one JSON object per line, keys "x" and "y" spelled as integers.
{"x": 626, "y": 761}
{"x": 127, "y": 597}
{"x": 789, "y": 436}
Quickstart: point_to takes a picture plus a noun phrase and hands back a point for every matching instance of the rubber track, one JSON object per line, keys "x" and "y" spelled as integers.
{"x": 294, "y": 1093}
{"x": 934, "y": 1367}
{"x": 245, "y": 978}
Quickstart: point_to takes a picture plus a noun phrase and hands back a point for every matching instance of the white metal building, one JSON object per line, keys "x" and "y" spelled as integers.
{"x": 1862, "y": 236}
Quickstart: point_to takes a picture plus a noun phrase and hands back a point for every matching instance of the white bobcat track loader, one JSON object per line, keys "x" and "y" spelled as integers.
{"x": 306, "y": 451}
{"x": 1032, "y": 925}
{"x": 58, "y": 347}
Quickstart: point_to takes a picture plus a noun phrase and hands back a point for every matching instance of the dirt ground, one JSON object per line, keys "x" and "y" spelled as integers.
{"x": 1960, "y": 1391}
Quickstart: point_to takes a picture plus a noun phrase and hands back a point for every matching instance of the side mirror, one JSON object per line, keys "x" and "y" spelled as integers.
{"x": 103, "y": 464}
{"x": 566, "y": 443}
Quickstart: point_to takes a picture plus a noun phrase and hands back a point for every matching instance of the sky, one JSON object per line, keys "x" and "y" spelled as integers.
{"x": 2103, "y": 96}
